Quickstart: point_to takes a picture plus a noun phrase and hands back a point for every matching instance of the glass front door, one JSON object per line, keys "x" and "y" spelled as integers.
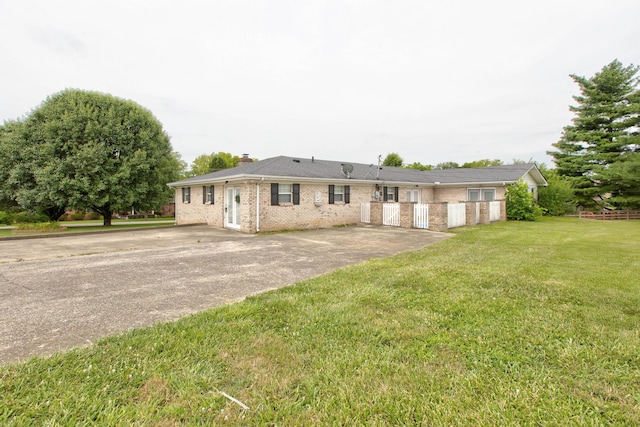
{"x": 232, "y": 207}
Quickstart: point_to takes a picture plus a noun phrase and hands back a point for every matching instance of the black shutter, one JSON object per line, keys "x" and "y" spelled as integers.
{"x": 213, "y": 194}
{"x": 347, "y": 194}
{"x": 274, "y": 194}
{"x": 332, "y": 194}
{"x": 384, "y": 194}
{"x": 396, "y": 192}
{"x": 296, "y": 194}
{"x": 204, "y": 195}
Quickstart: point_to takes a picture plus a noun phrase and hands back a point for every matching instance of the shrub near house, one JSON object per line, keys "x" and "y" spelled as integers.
{"x": 521, "y": 205}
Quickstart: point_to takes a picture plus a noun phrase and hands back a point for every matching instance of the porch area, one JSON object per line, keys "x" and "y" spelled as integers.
{"x": 439, "y": 216}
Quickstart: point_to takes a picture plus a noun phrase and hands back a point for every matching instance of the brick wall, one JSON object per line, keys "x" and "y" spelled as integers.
{"x": 449, "y": 194}
{"x": 314, "y": 210}
{"x": 198, "y": 213}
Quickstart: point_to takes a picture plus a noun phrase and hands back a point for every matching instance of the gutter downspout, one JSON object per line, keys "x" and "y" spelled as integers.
{"x": 258, "y": 204}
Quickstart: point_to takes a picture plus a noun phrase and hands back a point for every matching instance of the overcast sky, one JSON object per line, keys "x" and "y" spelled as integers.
{"x": 339, "y": 80}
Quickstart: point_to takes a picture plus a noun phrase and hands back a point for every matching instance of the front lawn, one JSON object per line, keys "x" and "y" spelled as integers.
{"x": 67, "y": 227}
{"x": 532, "y": 323}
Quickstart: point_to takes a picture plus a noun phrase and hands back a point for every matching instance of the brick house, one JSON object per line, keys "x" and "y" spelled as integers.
{"x": 284, "y": 193}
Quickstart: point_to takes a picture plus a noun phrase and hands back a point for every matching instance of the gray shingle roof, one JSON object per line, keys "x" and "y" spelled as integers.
{"x": 293, "y": 167}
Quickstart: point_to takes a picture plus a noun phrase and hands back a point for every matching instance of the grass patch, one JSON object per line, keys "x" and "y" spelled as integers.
{"x": 507, "y": 324}
{"x": 38, "y": 228}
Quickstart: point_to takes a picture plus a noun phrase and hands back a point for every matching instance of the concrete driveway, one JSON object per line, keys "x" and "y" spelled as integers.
{"x": 58, "y": 293}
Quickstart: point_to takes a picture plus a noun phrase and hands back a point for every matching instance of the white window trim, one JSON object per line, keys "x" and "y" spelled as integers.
{"x": 413, "y": 195}
{"x": 481, "y": 190}
{"x": 285, "y": 193}
{"x": 338, "y": 194}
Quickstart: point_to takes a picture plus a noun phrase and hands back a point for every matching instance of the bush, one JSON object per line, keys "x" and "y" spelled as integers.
{"x": 6, "y": 218}
{"x": 30, "y": 218}
{"x": 557, "y": 198}
{"x": 92, "y": 215}
{"x": 76, "y": 216}
{"x": 521, "y": 205}
{"x": 41, "y": 226}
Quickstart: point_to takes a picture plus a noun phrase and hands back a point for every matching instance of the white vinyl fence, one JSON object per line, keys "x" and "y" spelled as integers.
{"x": 457, "y": 215}
{"x": 365, "y": 212}
{"x": 391, "y": 214}
{"x": 421, "y": 215}
{"x": 494, "y": 211}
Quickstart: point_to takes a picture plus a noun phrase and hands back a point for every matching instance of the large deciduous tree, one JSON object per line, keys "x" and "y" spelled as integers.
{"x": 207, "y": 163}
{"x": 9, "y": 158}
{"x": 84, "y": 149}
{"x": 393, "y": 159}
{"x": 603, "y": 137}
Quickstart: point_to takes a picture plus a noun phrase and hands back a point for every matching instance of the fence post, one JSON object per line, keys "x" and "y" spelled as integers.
{"x": 406, "y": 214}
{"x": 470, "y": 213}
{"x": 376, "y": 213}
{"x": 503, "y": 209}
{"x": 484, "y": 213}
{"x": 438, "y": 216}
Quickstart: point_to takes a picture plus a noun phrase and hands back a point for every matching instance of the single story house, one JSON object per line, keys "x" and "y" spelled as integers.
{"x": 283, "y": 193}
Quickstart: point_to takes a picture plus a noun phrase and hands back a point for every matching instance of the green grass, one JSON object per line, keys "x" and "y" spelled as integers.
{"x": 68, "y": 227}
{"x": 507, "y": 324}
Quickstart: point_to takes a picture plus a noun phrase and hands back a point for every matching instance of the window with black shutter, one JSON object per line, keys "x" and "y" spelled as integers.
{"x": 390, "y": 194}
{"x": 285, "y": 194}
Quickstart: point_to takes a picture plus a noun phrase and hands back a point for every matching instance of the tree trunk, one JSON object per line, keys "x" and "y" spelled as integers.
{"x": 107, "y": 218}
{"x": 54, "y": 212}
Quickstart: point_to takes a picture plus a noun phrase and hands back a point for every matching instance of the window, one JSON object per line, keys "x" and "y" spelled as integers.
{"x": 283, "y": 194}
{"x": 340, "y": 194}
{"x": 413, "y": 196}
{"x": 208, "y": 195}
{"x": 478, "y": 194}
{"x": 186, "y": 194}
{"x": 390, "y": 194}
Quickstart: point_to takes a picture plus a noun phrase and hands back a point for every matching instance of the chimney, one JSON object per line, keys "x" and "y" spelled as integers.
{"x": 244, "y": 159}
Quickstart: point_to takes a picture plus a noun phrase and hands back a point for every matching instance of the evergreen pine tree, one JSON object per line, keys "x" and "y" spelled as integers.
{"x": 604, "y": 133}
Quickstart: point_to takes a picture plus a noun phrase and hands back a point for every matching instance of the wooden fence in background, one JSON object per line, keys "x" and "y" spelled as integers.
{"x": 609, "y": 215}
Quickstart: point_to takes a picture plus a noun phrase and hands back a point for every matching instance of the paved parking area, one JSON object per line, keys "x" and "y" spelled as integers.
{"x": 58, "y": 293}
